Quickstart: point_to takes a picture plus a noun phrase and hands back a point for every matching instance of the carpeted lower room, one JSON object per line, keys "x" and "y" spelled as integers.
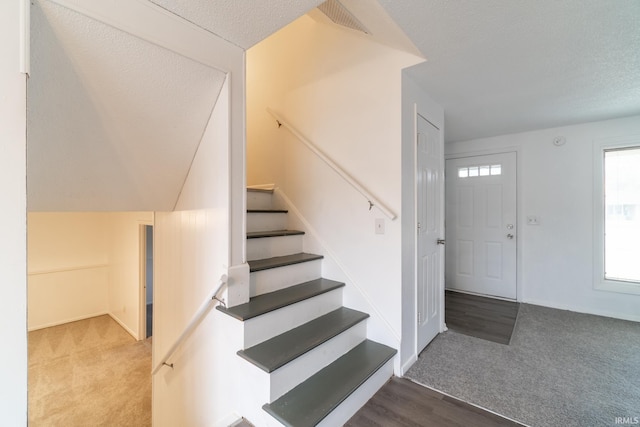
{"x": 89, "y": 373}
{"x": 560, "y": 368}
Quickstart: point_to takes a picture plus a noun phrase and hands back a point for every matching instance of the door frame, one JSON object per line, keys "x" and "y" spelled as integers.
{"x": 519, "y": 207}
{"x": 442, "y": 327}
{"x": 142, "y": 283}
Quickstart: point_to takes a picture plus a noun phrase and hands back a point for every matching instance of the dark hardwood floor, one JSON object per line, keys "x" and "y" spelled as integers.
{"x": 481, "y": 317}
{"x": 404, "y": 403}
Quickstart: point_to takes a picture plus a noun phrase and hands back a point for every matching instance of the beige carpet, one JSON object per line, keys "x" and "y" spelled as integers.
{"x": 89, "y": 373}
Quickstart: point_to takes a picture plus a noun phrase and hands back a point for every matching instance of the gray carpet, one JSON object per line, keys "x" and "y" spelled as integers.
{"x": 561, "y": 369}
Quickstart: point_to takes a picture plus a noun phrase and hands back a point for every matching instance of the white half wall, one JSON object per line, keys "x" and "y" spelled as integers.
{"x": 192, "y": 252}
{"x": 556, "y": 185}
{"x": 13, "y": 220}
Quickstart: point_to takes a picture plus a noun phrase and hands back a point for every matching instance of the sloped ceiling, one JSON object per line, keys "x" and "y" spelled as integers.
{"x": 113, "y": 121}
{"x": 503, "y": 66}
{"x": 241, "y": 22}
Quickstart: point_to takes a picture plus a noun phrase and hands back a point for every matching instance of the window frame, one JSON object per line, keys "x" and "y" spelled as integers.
{"x": 599, "y": 281}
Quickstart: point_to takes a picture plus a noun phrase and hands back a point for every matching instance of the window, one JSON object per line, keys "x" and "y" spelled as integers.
{"x": 476, "y": 171}
{"x": 622, "y": 214}
{"x": 617, "y": 217}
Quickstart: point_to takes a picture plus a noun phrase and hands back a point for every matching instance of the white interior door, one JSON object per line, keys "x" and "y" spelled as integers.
{"x": 481, "y": 225}
{"x": 430, "y": 269}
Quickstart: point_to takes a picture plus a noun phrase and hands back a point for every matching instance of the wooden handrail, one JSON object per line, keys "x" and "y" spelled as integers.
{"x": 207, "y": 305}
{"x": 373, "y": 201}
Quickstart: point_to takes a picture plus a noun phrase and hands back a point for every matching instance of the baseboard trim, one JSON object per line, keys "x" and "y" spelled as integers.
{"x": 69, "y": 320}
{"x": 125, "y": 327}
{"x": 602, "y": 313}
{"x": 228, "y": 420}
{"x": 408, "y": 364}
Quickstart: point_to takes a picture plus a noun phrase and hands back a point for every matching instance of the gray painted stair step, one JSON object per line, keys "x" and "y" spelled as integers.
{"x": 281, "y": 261}
{"x": 282, "y": 349}
{"x": 267, "y": 211}
{"x": 266, "y": 303}
{"x": 273, "y": 233}
{"x": 311, "y": 401}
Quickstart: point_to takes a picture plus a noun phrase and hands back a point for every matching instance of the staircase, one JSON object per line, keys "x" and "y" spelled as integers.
{"x": 305, "y": 355}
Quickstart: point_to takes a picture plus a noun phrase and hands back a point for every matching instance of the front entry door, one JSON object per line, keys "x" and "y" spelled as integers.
{"x": 481, "y": 225}
{"x": 430, "y": 226}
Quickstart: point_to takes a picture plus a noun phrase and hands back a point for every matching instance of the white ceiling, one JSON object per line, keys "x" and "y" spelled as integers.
{"x": 242, "y": 22}
{"x": 504, "y": 66}
{"x": 113, "y": 121}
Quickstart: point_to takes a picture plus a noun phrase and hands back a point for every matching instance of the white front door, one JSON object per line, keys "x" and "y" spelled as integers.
{"x": 430, "y": 226}
{"x": 481, "y": 225}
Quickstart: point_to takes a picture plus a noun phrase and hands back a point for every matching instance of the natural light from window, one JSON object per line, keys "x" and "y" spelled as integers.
{"x": 622, "y": 214}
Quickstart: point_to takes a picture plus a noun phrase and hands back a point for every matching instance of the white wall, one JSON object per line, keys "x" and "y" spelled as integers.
{"x": 556, "y": 184}
{"x": 125, "y": 268}
{"x": 343, "y": 92}
{"x": 13, "y": 218}
{"x": 192, "y": 252}
{"x": 84, "y": 264}
{"x": 68, "y": 265}
{"x": 414, "y": 100}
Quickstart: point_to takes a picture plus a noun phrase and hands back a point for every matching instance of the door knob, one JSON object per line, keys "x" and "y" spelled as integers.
{"x": 510, "y": 236}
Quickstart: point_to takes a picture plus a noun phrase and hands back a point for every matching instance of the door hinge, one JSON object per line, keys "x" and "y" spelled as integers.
{"x": 419, "y": 317}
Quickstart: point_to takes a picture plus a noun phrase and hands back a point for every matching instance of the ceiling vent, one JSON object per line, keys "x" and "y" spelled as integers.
{"x": 339, "y": 14}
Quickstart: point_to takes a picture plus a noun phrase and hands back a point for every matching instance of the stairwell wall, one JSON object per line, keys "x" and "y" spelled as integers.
{"x": 343, "y": 92}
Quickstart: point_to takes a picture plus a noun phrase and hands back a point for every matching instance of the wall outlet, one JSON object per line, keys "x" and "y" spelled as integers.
{"x": 532, "y": 220}
{"x": 379, "y": 225}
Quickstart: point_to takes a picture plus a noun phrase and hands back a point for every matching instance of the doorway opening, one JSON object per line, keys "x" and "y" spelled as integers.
{"x": 146, "y": 255}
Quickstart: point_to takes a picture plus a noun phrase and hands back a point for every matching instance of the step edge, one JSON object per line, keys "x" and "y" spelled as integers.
{"x": 259, "y": 190}
{"x": 334, "y": 285}
{"x": 343, "y": 328}
{"x": 312, "y": 257}
{"x": 267, "y": 211}
{"x": 391, "y": 354}
{"x": 273, "y": 233}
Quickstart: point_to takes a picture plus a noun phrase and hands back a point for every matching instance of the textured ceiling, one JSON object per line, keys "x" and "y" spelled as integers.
{"x": 503, "y": 66}
{"x": 113, "y": 121}
{"x": 242, "y": 22}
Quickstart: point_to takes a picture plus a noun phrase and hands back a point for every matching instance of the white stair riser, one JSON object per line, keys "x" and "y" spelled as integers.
{"x": 263, "y": 221}
{"x": 298, "y": 370}
{"x": 259, "y": 200}
{"x": 276, "y": 322}
{"x": 274, "y": 279}
{"x": 268, "y": 247}
{"x": 358, "y": 398}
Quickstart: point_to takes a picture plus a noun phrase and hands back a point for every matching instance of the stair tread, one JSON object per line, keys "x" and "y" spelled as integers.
{"x": 260, "y": 190}
{"x": 282, "y": 349}
{"x": 271, "y": 301}
{"x": 281, "y": 261}
{"x": 273, "y": 233}
{"x": 267, "y": 211}
{"x": 310, "y": 402}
